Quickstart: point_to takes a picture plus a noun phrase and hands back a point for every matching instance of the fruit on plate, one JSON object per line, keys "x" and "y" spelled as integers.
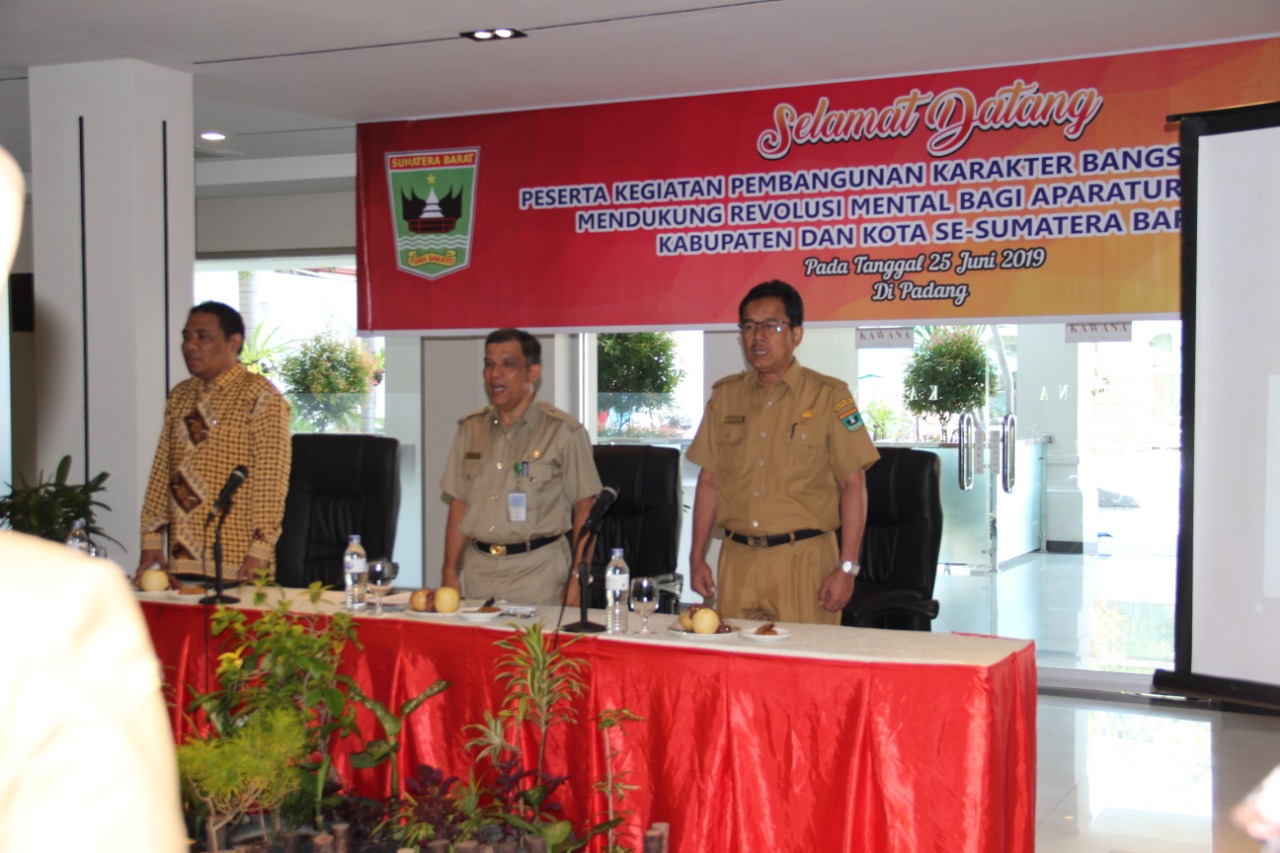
{"x": 706, "y": 621}
{"x": 423, "y": 600}
{"x": 447, "y": 599}
{"x": 686, "y": 616}
{"x": 154, "y": 580}
{"x": 768, "y": 629}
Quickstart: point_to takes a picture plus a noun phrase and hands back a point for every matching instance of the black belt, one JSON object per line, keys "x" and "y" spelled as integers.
{"x": 499, "y": 550}
{"x": 776, "y": 539}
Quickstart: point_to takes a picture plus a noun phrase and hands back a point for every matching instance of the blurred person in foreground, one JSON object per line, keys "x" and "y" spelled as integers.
{"x": 783, "y": 453}
{"x": 83, "y": 727}
{"x": 222, "y": 417}
{"x": 520, "y": 475}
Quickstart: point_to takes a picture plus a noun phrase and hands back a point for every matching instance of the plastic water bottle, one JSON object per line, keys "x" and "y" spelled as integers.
{"x": 354, "y": 571}
{"x": 617, "y": 584}
{"x": 78, "y": 539}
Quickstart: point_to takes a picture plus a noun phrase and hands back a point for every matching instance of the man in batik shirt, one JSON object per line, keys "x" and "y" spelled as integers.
{"x": 221, "y": 418}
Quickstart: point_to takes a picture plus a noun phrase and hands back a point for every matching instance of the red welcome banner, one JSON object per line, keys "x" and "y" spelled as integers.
{"x": 1046, "y": 190}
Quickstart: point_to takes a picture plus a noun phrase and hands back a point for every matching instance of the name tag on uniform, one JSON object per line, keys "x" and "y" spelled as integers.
{"x": 517, "y": 506}
{"x": 735, "y": 419}
{"x": 470, "y": 454}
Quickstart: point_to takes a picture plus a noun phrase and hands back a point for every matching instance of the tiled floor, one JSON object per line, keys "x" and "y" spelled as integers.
{"x": 1136, "y": 777}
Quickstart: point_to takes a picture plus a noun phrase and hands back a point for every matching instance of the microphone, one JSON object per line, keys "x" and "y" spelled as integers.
{"x": 602, "y": 504}
{"x": 237, "y": 477}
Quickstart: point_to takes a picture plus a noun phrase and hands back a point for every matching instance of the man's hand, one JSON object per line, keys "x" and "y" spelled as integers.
{"x": 572, "y": 593}
{"x": 247, "y": 570}
{"x": 836, "y": 590}
{"x": 701, "y": 578}
{"x": 152, "y": 557}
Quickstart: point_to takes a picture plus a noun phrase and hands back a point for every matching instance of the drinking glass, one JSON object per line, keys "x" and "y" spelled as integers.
{"x": 644, "y": 600}
{"x": 381, "y": 575}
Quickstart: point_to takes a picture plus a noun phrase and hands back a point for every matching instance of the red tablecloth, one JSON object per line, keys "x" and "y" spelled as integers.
{"x": 738, "y": 750}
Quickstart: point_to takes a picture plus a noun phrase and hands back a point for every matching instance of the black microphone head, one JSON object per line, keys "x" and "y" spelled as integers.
{"x": 608, "y": 496}
{"x": 240, "y": 472}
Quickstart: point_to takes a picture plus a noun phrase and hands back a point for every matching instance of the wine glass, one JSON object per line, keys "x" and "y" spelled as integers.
{"x": 644, "y": 599}
{"x": 381, "y": 575}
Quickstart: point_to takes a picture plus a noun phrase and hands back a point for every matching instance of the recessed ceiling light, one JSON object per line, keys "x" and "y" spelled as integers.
{"x": 213, "y": 136}
{"x": 498, "y": 34}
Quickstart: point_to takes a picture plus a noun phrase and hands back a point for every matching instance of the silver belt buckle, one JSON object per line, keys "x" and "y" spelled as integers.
{"x": 758, "y": 541}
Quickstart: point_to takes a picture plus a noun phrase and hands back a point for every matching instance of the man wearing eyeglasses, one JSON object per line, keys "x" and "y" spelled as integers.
{"x": 783, "y": 453}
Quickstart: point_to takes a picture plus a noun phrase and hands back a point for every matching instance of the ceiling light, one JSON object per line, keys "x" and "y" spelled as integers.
{"x": 213, "y": 136}
{"x": 498, "y": 33}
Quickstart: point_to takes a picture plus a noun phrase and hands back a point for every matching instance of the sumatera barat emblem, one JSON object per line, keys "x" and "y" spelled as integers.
{"x": 433, "y": 209}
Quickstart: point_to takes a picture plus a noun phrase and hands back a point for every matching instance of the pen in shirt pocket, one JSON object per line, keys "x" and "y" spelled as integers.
{"x": 793, "y": 429}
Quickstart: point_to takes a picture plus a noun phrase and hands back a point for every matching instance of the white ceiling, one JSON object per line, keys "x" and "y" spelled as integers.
{"x": 291, "y": 78}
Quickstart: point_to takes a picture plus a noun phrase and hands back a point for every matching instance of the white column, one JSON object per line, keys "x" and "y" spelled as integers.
{"x": 114, "y": 245}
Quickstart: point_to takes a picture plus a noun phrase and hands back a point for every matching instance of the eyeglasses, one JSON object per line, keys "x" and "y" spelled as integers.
{"x": 775, "y": 326}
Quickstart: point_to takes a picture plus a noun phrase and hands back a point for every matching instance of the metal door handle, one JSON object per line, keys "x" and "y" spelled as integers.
{"x": 1008, "y": 452}
{"x": 967, "y": 432}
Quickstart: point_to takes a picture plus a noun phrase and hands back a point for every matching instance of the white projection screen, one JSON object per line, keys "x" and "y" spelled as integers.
{"x": 1227, "y": 634}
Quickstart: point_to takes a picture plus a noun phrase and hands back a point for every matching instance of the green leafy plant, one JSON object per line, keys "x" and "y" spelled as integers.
{"x": 262, "y": 351}
{"x": 387, "y": 748}
{"x": 636, "y": 372}
{"x": 326, "y": 379}
{"x": 251, "y": 769}
{"x": 48, "y": 508}
{"x": 949, "y": 373}
{"x": 882, "y": 418}
{"x": 507, "y": 793}
{"x": 283, "y": 662}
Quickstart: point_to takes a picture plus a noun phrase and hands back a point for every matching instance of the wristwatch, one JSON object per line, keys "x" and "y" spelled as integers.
{"x": 850, "y": 568}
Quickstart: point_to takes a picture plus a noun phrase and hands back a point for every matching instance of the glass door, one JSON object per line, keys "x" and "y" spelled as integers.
{"x": 1068, "y": 533}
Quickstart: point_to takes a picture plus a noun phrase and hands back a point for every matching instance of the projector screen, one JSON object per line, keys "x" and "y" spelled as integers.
{"x": 1228, "y": 607}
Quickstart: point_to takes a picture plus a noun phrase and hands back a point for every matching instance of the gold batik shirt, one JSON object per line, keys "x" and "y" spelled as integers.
{"x": 240, "y": 420}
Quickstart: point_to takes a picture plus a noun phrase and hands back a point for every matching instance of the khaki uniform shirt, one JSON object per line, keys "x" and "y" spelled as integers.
{"x": 546, "y": 454}
{"x": 779, "y": 452}
{"x": 241, "y": 420}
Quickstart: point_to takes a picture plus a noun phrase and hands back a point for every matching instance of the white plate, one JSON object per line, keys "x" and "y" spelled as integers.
{"x": 473, "y": 614}
{"x": 690, "y": 635}
{"x": 783, "y": 634}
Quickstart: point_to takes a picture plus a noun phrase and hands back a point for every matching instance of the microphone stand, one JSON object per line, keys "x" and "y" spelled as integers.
{"x": 583, "y": 625}
{"x": 218, "y": 597}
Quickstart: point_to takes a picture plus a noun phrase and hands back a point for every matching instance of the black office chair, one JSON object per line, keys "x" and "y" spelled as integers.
{"x": 339, "y": 484}
{"x": 899, "y": 555}
{"x": 644, "y": 520}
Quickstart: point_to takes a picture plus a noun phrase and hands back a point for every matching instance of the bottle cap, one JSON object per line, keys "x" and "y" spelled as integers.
{"x": 617, "y": 552}
{"x": 354, "y": 537}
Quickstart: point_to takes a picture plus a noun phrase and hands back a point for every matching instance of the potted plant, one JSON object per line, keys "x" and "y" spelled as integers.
{"x": 281, "y": 663}
{"x": 48, "y": 508}
{"x": 508, "y": 798}
{"x": 949, "y": 373}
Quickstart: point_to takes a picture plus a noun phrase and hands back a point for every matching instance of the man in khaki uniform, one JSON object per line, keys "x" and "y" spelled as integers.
{"x": 520, "y": 474}
{"x": 783, "y": 453}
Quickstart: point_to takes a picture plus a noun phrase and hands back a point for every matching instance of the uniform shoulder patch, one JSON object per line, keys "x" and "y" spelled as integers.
{"x": 847, "y": 413}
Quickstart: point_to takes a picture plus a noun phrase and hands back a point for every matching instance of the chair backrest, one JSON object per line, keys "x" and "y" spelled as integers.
{"x": 645, "y": 519}
{"x": 339, "y": 484}
{"x": 904, "y": 521}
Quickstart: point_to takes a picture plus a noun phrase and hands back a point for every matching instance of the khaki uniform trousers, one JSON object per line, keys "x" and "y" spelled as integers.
{"x": 534, "y": 577}
{"x": 778, "y": 584}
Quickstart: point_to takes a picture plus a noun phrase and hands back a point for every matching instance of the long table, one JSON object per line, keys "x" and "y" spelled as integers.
{"x": 836, "y": 739}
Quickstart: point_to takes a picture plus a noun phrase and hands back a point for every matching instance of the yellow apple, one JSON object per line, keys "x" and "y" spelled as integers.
{"x": 706, "y": 621}
{"x": 422, "y": 600}
{"x": 447, "y": 599}
{"x": 686, "y": 617}
{"x": 154, "y": 580}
